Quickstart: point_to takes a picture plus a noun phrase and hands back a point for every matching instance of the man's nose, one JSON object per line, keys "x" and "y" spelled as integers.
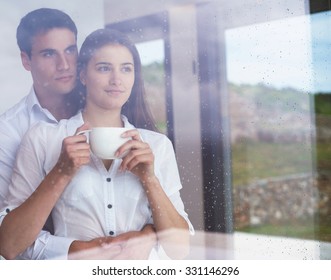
{"x": 63, "y": 62}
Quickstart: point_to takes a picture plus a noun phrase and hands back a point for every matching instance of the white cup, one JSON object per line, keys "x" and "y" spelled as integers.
{"x": 105, "y": 141}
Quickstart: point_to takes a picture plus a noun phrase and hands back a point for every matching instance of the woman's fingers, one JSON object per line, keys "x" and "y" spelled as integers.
{"x": 83, "y": 127}
{"x": 133, "y": 133}
{"x": 136, "y": 157}
{"x": 139, "y": 157}
{"x": 131, "y": 145}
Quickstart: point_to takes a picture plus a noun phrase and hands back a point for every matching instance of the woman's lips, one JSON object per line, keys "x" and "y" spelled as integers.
{"x": 113, "y": 91}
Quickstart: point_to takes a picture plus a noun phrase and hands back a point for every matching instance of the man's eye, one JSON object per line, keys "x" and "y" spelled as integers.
{"x": 72, "y": 50}
{"x": 48, "y": 54}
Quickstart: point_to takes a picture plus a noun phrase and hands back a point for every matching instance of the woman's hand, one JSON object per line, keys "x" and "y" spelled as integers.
{"x": 75, "y": 152}
{"x": 140, "y": 159}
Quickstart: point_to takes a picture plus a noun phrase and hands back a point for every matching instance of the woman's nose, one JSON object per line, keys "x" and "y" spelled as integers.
{"x": 115, "y": 78}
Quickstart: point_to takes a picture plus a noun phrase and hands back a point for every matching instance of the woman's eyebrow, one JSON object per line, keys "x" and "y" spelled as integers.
{"x": 102, "y": 62}
{"x": 108, "y": 63}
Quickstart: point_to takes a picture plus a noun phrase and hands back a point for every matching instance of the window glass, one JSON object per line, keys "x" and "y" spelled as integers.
{"x": 274, "y": 92}
{"x": 152, "y": 59}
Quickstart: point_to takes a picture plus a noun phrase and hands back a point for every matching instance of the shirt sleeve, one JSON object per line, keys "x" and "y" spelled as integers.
{"x": 9, "y": 142}
{"x": 28, "y": 172}
{"x": 169, "y": 177}
{"x": 28, "y": 169}
{"x": 47, "y": 247}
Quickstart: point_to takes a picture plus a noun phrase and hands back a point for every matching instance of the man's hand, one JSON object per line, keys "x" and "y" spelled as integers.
{"x": 136, "y": 245}
{"x": 98, "y": 248}
{"x": 132, "y": 245}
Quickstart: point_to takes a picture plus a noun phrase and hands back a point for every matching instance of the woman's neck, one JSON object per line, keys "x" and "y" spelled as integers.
{"x": 100, "y": 117}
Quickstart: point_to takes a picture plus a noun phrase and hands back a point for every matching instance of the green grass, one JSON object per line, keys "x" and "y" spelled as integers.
{"x": 252, "y": 161}
{"x": 298, "y": 229}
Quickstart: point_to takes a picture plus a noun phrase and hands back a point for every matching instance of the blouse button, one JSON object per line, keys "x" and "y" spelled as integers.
{"x": 110, "y": 206}
{"x": 108, "y": 179}
{"x": 7, "y": 210}
{"x": 111, "y": 233}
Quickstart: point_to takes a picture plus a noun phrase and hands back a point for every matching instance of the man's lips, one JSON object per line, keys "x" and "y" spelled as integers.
{"x": 66, "y": 78}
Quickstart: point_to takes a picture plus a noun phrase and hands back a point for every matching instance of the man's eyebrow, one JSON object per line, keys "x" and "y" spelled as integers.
{"x": 46, "y": 50}
{"x": 54, "y": 50}
{"x": 72, "y": 47}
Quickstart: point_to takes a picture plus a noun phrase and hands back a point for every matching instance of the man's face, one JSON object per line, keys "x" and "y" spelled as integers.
{"x": 52, "y": 62}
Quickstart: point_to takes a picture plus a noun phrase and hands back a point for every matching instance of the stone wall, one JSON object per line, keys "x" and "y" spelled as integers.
{"x": 276, "y": 200}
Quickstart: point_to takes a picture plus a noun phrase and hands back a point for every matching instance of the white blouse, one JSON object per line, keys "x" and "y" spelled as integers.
{"x": 97, "y": 202}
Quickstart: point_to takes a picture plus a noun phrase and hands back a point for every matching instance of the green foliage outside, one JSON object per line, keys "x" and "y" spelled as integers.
{"x": 154, "y": 77}
{"x": 154, "y": 74}
{"x": 323, "y": 104}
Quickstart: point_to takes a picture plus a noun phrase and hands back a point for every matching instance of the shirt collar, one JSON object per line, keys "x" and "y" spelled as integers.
{"x": 126, "y": 122}
{"x": 32, "y": 100}
{"x": 35, "y": 109}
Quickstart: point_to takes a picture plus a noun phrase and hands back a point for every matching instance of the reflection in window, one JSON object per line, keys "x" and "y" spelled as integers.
{"x": 321, "y": 46}
{"x": 152, "y": 59}
{"x": 271, "y": 91}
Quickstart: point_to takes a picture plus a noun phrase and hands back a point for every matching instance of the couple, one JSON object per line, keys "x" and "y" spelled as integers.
{"x": 93, "y": 203}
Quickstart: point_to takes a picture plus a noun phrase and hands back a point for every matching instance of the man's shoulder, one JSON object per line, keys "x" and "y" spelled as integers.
{"x": 13, "y": 124}
{"x": 18, "y": 110}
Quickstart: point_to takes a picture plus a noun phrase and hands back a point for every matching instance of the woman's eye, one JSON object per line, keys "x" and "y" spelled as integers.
{"x": 127, "y": 69}
{"x": 103, "y": 68}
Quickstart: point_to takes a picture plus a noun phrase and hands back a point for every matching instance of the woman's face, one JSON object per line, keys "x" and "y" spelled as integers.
{"x": 109, "y": 77}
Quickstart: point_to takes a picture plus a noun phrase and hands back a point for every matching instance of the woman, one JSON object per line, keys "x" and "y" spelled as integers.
{"x": 90, "y": 197}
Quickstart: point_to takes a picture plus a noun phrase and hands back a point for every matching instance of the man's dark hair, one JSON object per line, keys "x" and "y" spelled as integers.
{"x": 39, "y": 21}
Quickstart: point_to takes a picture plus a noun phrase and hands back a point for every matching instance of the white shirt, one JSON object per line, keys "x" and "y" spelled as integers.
{"x": 13, "y": 125}
{"x": 97, "y": 202}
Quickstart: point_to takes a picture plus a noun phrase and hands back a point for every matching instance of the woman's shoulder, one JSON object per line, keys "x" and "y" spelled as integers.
{"x": 150, "y": 134}
{"x": 154, "y": 138}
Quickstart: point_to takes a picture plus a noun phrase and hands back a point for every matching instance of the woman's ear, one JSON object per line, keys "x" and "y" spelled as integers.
{"x": 82, "y": 77}
{"x": 26, "y": 61}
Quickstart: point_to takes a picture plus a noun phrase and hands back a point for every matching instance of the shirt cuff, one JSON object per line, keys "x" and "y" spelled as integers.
{"x": 58, "y": 247}
{"x": 3, "y": 213}
{"x": 47, "y": 247}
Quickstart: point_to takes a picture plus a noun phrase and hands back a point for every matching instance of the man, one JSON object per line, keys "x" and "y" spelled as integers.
{"x": 47, "y": 41}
